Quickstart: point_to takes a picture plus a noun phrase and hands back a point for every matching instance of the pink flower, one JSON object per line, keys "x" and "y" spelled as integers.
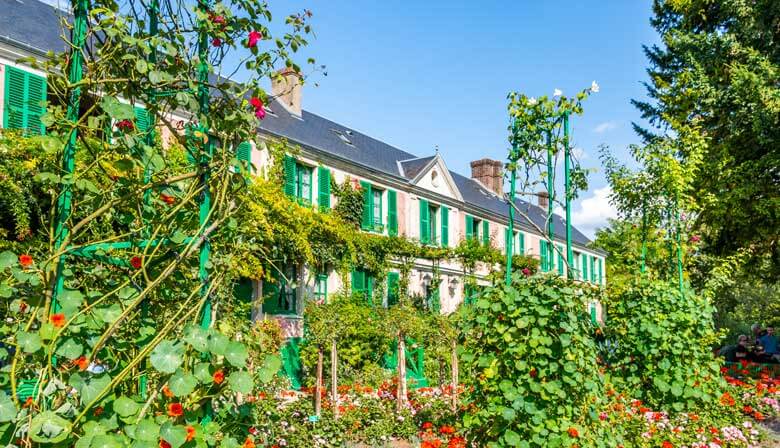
{"x": 526, "y": 272}
{"x": 216, "y": 42}
{"x": 257, "y": 103}
{"x": 254, "y": 37}
{"x": 695, "y": 239}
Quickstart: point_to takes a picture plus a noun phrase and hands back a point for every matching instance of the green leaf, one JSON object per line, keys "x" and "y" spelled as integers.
{"x": 147, "y": 430}
{"x": 126, "y": 407}
{"x": 90, "y": 388}
{"x": 28, "y": 342}
{"x": 108, "y": 314}
{"x": 241, "y": 382}
{"x": 7, "y": 259}
{"x": 173, "y": 434}
{"x": 512, "y": 438}
{"x": 182, "y": 383}
{"x": 218, "y": 343}
{"x": 236, "y": 354}
{"x": 202, "y": 372}
{"x": 167, "y": 356}
{"x": 7, "y": 408}
{"x": 48, "y": 427}
{"x": 197, "y": 337}
{"x": 116, "y": 109}
{"x": 70, "y": 349}
{"x": 271, "y": 366}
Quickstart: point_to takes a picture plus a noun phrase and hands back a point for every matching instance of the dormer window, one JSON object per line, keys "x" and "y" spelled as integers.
{"x": 343, "y": 136}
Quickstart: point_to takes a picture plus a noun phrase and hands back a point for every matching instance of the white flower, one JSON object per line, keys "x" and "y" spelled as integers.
{"x": 557, "y": 92}
{"x": 532, "y": 101}
{"x": 594, "y": 87}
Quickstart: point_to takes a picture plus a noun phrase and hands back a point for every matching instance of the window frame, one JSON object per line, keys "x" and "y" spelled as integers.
{"x": 302, "y": 170}
{"x": 433, "y": 223}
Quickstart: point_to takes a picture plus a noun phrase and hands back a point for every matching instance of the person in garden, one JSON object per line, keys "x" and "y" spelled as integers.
{"x": 769, "y": 343}
{"x": 738, "y": 352}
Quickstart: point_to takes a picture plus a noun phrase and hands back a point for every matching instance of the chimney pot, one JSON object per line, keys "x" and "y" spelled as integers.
{"x": 490, "y": 173}
{"x": 543, "y": 199}
{"x": 286, "y": 88}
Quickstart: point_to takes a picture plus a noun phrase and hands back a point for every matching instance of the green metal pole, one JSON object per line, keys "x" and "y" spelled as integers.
{"x": 679, "y": 246}
{"x": 644, "y": 236}
{"x": 567, "y": 180}
{"x": 75, "y": 74}
{"x": 205, "y": 157}
{"x": 551, "y": 200}
{"x": 513, "y": 178}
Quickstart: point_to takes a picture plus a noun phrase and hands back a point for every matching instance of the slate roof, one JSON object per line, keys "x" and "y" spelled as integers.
{"x": 36, "y": 25}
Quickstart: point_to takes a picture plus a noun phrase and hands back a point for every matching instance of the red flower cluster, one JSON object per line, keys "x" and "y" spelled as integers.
{"x": 175, "y": 410}
{"x": 218, "y": 377}
{"x": 25, "y": 260}
{"x": 257, "y": 104}
{"x": 58, "y": 320}
{"x": 254, "y": 38}
{"x": 125, "y": 125}
{"x": 136, "y": 262}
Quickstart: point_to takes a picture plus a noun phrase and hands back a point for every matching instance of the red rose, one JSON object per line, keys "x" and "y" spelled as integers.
{"x": 125, "y": 125}
{"x": 526, "y": 272}
{"x": 136, "y": 262}
{"x": 58, "y": 320}
{"x": 254, "y": 37}
{"x": 216, "y": 42}
{"x": 219, "y": 376}
{"x": 25, "y": 260}
{"x": 175, "y": 410}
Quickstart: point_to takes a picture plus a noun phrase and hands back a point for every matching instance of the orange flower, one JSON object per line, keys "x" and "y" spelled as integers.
{"x": 573, "y": 432}
{"x": 726, "y": 399}
{"x": 248, "y": 443}
{"x": 446, "y": 429}
{"x": 427, "y": 425}
{"x": 175, "y": 410}
{"x": 190, "y": 433}
{"x": 25, "y": 260}
{"x": 219, "y": 376}
{"x": 164, "y": 444}
{"x": 82, "y": 363}
{"x": 98, "y": 411}
{"x": 170, "y": 200}
{"x": 667, "y": 444}
{"x": 167, "y": 392}
{"x": 58, "y": 320}
{"x": 28, "y": 402}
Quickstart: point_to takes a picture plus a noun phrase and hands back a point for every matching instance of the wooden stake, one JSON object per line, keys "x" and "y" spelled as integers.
{"x": 334, "y": 378}
{"x": 454, "y": 383}
{"x": 318, "y": 389}
{"x": 401, "y": 399}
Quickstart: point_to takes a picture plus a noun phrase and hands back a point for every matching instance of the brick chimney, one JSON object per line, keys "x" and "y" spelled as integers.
{"x": 543, "y": 199}
{"x": 286, "y": 88}
{"x": 490, "y": 173}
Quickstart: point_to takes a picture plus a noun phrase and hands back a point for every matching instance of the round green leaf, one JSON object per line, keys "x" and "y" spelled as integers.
{"x": 147, "y": 431}
{"x": 7, "y": 409}
{"x": 48, "y": 427}
{"x": 182, "y": 383}
{"x": 173, "y": 434}
{"x": 197, "y": 337}
{"x": 28, "y": 342}
{"x": 241, "y": 382}
{"x": 218, "y": 343}
{"x": 70, "y": 349}
{"x": 202, "y": 372}
{"x": 236, "y": 354}
{"x": 126, "y": 407}
{"x": 167, "y": 356}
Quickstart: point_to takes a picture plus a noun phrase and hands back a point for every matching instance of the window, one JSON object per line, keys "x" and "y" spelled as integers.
{"x": 432, "y": 298}
{"x": 561, "y": 254}
{"x": 521, "y": 243}
{"x": 393, "y": 293}
{"x": 363, "y": 283}
{"x": 372, "y": 208}
{"x": 473, "y": 226}
{"x": 585, "y": 267}
{"x": 431, "y": 217}
{"x": 543, "y": 256}
{"x": 321, "y": 288}
{"x": 433, "y": 212}
{"x": 280, "y": 292}
{"x": 24, "y": 94}
{"x": 518, "y": 242}
{"x": 297, "y": 180}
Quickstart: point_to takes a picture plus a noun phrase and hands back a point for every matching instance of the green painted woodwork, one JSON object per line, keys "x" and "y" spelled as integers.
{"x": 445, "y": 226}
{"x": 363, "y": 283}
{"x": 244, "y": 154}
{"x": 142, "y": 119}
{"x": 485, "y": 232}
{"x": 392, "y": 213}
{"x": 543, "y": 256}
{"x": 593, "y": 317}
{"x": 568, "y": 190}
{"x": 289, "y": 175}
{"x": 585, "y": 270}
{"x": 366, "y": 223}
{"x": 415, "y": 361}
{"x": 521, "y": 241}
{"x": 550, "y": 200}
{"x": 24, "y": 93}
{"x": 28, "y": 388}
{"x": 323, "y": 188}
{"x": 279, "y": 295}
{"x": 425, "y": 224}
{"x": 469, "y": 227}
{"x": 321, "y": 287}
{"x": 560, "y": 256}
{"x": 601, "y": 271}
{"x": 303, "y": 184}
{"x": 376, "y": 209}
{"x": 593, "y": 269}
{"x": 469, "y": 294}
{"x": 292, "y": 367}
{"x": 393, "y": 294}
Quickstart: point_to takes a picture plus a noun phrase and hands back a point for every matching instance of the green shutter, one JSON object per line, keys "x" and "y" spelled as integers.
{"x": 445, "y": 226}
{"x": 244, "y": 152}
{"x": 593, "y": 269}
{"x": 543, "y": 255}
{"x": 142, "y": 119}
{"x": 521, "y": 236}
{"x": 292, "y": 367}
{"x": 469, "y": 227}
{"x": 392, "y": 288}
{"x": 425, "y": 222}
{"x": 24, "y": 93}
{"x": 358, "y": 281}
{"x": 560, "y": 259}
{"x": 601, "y": 271}
{"x": 593, "y": 318}
{"x": 435, "y": 304}
{"x": 486, "y": 232}
{"x": 290, "y": 176}
{"x": 392, "y": 213}
{"x": 368, "y": 208}
{"x": 585, "y": 267}
{"x": 506, "y": 240}
{"x": 323, "y": 188}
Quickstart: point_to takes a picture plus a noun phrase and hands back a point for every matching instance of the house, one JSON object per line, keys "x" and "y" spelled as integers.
{"x": 416, "y": 196}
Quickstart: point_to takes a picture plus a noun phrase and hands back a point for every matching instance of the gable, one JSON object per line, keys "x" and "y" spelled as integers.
{"x": 435, "y": 176}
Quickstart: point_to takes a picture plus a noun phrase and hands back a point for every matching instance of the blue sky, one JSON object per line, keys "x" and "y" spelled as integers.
{"x": 418, "y": 74}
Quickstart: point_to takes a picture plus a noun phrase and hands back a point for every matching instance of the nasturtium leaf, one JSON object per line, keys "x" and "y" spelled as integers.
{"x": 229, "y": 442}
{"x": 108, "y": 441}
{"x": 28, "y": 342}
{"x": 70, "y": 349}
{"x": 512, "y": 438}
{"x": 197, "y": 337}
{"x": 7, "y": 408}
{"x": 218, "y": 343}
{"x": 271, "y": 366}
{"x": 202, "y": 372}
{"x": 178, "y": 237}
{"x": 90, "y": 388}
{"x": 167, "y": 356}
{"x": 108, "y": 314}
{"x": 127, "y": 292}
{"x": 5, "y": 291}
{"x": 173, "y": 434}
{"x": 126, "y": 407}
{"x": 116, "y": 109}
{"x": 182, "y": 383}
{"x": 48, "y": 427}
{"x": 147, "y": 431}
{"x": 47, "y": 331}
{"x": 241, "y": 381}
{"x": 70, "y": 300}
{"x": 236, "y": 354}
{"x": 7, "y": 259}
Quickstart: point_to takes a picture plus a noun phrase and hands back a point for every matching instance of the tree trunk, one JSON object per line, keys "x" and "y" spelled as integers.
{"x": 401, "y": 398}
{"x": 334, "y": 362}
{"x": 318, "y": 388}
{"x": 454, "y": 383}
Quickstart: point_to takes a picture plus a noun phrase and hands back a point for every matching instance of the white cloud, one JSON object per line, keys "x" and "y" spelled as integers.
{"x": 604, "y": 127}
{"x": 591, "y": 213}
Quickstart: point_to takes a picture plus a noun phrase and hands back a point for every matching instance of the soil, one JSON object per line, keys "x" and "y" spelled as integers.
{"x": 773, "y": 428}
